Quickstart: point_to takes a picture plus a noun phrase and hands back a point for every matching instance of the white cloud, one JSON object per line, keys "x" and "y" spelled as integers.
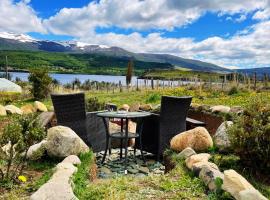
{"x": 19, "y": 17}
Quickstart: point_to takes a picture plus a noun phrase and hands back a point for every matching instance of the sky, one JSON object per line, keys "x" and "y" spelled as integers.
{"x": 229, "y": 33}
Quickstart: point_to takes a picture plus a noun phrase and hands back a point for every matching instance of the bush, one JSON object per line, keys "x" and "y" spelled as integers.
{"x": 41, "y": 81}
{"x": 233, "y": 90}
{"x": 250, "y": 135}
{"x": 93, "y": 104}
{"x": 20, "y": 134}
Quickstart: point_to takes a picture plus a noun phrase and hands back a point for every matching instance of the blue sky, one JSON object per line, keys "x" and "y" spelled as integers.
{"x": 233, "y": 34}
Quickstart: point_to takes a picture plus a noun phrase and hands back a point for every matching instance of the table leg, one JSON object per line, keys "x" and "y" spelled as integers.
{"x": 140, "y": 138}
{"x": 126, "y": 144}
{"x": 107, "y": 140}
{"x": 121, "y": 140}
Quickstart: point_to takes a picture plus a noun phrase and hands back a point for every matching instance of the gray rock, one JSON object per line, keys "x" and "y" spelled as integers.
{"x": 36, "y": 151}
{"x": 198, "y": 166}
{"x": 105, "y": 170}
{"x": 11, "y": 109}
{"x": 251, "y": 194}
{"x": 2, "y": 111}
{"x": 187, "y": 152}
{"x": 62, "y": 142}
{"x": 144, "y": 170}
{"x": 133, "y": 171}
{"x": 220, "y": 109}
{"x": 208, "y": 174}
{"x": 73, "y": 159}
{"x": 221, "y": 138}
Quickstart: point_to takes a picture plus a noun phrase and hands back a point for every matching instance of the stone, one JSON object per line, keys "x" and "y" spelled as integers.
{"x": 209, "y": 174}
{"x": 221, "y": 138}
{"x": 28, "y": 109}
{"x": 198, "y": 139}
{"x": 234, "y": 183}
{"x": 105, "y": 170}
{"x": 11, "y": 109}
{"x": 195, "y": 105}
{"x": 198, "y": 166}
{"x": 63, "y": 141}
{"x": 187, "y": 152}
{"x": 36, "y": 151}
{"x": 134, "y": 107}
{"x": 237, "y": 109}
{"x": 73, "y": 159}
{"x": 40, "y": 106}
{"x": 59, "y": 186}
{"x": 251, "y": 194}
{"x": 133, "y": 171}
{"x": 220, "y": 109}
{"x": 124, "y": 107}
{"x": 144, "y": 170}
{"x": 146, "y": 107}
{"x": 3, "y": 111}
{"x": 201, "y": 157}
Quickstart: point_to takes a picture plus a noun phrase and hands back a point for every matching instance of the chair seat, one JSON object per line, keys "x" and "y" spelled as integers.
{"x": 122, "y": 135}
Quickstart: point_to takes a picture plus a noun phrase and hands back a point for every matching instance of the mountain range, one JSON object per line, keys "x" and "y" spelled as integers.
{"x": 87, "y": 56}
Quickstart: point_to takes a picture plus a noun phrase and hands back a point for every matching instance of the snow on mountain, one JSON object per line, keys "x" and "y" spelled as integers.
{"x": 19, "y": 37}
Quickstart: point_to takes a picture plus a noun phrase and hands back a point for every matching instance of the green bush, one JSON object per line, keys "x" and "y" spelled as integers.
{"x": 93, "y": 104}
{"x": 233, "y": 90}
{"x": 250, "y": 135}
{"x": 20, "y": 134}
{"x": 41, "y": 81}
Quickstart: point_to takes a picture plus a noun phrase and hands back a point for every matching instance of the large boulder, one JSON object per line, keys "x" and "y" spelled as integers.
{"x": 63, "y": 141}
{"x": 198, "y": 166}
{"x": 36, "y": 151}
{"x": 59, "y": 186}
{"x": 28, "y": 109}
{"x": 251, "y": 194}
{"x": 221, "y": 138}
{"x": 3, "y": 111}
{"x": 198, "y": 139}
{"x": 201, "y": 157}
{"x": 234, "y": 183}
{"x": 209, "y": 174}
{"x": 220, "y": 109}
{"x": 40, "y": 106}
{"x": 11, "y": 109}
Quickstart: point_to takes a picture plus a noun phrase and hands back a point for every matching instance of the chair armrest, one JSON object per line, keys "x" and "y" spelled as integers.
{"x": 194, "y": 122}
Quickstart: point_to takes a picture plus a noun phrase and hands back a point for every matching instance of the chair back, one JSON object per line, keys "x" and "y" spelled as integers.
{"x": 173, "y": 116}
{"x": 70, "y": 111}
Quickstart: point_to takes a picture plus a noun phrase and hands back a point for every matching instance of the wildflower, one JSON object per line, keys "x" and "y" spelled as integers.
{"x": 22, "y": 178}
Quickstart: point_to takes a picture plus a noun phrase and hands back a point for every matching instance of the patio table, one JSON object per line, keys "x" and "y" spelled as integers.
{"x": 123, "y": 134}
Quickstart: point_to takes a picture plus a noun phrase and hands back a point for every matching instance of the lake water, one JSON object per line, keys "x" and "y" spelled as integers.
{"x": 68, "y": 78}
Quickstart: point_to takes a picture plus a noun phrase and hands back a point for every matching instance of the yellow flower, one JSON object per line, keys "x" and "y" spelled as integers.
{"x": 22, "y": 178}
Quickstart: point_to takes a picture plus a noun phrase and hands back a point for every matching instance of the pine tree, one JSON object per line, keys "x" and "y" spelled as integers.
{"x": 129, "y": 72}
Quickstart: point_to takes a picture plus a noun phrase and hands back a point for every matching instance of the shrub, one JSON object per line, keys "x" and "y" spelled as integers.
{"x": 233, "y": 90}
{"x": 93, "y": 104}
{"x": 20, "y": 134}
{"x": 250, "y": 135}
{"x": 41, "y": 81}
{"x": 153, "y": 98}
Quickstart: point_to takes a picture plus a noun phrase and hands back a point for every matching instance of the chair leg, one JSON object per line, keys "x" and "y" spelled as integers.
{"x": 110, "y": 147}
{"x": 121, "y": 147}
{"x": 141, "y": 149}
{"x": 105, "y": 153}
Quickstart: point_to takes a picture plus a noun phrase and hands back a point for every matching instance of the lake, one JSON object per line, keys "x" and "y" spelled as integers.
{"x": 68, "y": 78}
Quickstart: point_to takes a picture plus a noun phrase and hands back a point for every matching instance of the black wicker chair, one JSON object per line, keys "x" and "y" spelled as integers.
{"x": 70, "y": 111}
{"x": 158, "y": 129}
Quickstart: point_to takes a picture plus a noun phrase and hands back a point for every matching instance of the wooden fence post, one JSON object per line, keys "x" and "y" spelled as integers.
{"x": 255, "y": 80}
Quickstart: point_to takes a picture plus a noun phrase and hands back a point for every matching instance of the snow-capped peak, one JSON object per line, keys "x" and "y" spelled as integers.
{"x": 83, "y": 44}
{"x": 19, "y": 37}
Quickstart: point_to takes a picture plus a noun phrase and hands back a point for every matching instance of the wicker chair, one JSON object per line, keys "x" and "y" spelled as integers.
{"x": 158, "y": 129}
{"x": 70, "y": 111}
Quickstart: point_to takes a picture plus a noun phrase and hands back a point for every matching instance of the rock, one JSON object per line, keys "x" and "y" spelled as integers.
{"x": 198, "y": 166}
{"x": 195, "y": 105}
{"x": 187, "y": 152}
{"x": 220, "y": 109}
{"x": 133, "y": 171}
{"x": 234, "y": 183}
{"x": 62, "y": 142}
{"x": 208, "y": 174}
{"x": 73, "y": 159}
{"x": 124, "y": 107}
{"x": 134, "y": 107}
{"x": 146, "y": 107}
{"x": 40, "y": 106}
{"x": 144, "y": 170}
{"x": 11, "y": 109}
{"x": 59, "y": 186}
{"x": 28, "y": 109}
{"x": 251, "y": 194}
{"x": 201, "y": 157}
{"x": 3, "y": 111}
{"x": 221, "y": 138}
{"x": 237, "y": 109}
{"x": 36, "y": 151}
{"x": 105, "y": 170}
{"x": 198, "y": 139}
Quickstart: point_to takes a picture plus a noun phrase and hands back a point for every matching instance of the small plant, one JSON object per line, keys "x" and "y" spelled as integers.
{"x": 250, "y": 135}
{"x": 18, "y": 136}
{"x": 93, "y": 104}
{"x": 233, "y": 90}
{"x": 41, "y": 81}
{"x": 153, "y": 98}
